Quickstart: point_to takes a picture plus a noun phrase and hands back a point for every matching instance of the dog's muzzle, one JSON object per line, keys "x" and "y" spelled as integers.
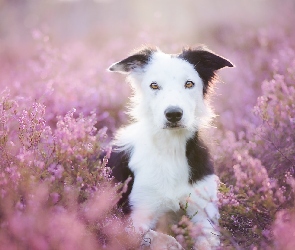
{"x": 173, "y": 115}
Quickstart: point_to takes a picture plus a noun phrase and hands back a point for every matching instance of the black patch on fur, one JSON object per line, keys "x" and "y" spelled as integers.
{"x": 198, "y": 159}
{"x": 118, "y": 162}
{"x": 206, "y": 63}
{"x": 137, "y": 60}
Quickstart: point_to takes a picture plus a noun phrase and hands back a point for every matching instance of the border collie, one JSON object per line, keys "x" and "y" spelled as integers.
{"x": 161, "y": 149}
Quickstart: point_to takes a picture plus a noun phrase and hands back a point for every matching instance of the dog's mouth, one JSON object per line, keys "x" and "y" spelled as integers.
{"x": 173, "y": 125}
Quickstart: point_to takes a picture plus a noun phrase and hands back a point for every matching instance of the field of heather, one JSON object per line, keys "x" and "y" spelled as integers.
{"x": 59, "y": 108}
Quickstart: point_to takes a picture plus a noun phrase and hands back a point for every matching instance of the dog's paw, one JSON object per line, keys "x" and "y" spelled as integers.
{"x": 159, "y": 241}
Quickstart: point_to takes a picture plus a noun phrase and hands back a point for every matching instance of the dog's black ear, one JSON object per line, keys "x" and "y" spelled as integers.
{"x": 136, "y": 62}
{"x": 206, "y": 63}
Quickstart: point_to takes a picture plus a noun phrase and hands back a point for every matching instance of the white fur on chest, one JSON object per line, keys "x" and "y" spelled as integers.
{"x": 160, "y": 167}
{"x": 161, "y": 175}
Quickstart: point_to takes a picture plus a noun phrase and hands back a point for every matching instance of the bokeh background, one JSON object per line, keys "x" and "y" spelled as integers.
{"x": 59, "y": 108}
{"x": 132, "y": 22}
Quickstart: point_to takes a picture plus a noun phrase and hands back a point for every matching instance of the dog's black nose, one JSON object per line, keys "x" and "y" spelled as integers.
{"x": 173, "y": 114}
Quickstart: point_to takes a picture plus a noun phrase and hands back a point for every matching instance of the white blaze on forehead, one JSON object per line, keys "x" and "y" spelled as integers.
{"x": 165, "y": 67}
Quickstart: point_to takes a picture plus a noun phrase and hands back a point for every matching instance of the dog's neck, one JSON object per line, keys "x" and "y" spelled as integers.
{"x": 172, "y": 139}
{"x": 167, "y": 141}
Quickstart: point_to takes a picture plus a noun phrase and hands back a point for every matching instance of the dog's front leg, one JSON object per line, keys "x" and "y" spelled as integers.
{"x": 203, "y": 210}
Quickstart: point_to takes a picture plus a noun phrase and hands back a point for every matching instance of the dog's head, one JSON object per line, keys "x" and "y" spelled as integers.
{"x": 171, "y": 89}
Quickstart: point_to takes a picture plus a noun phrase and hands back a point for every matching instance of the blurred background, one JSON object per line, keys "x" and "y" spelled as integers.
{"x": 131, "y": 22}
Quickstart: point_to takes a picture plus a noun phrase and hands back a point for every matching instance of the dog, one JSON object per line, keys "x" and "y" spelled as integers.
{"x": 162, "y": 149}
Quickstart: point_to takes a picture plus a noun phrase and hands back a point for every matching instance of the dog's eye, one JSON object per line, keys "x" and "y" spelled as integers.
{"x": 189, "y": 84}
{"x": 154, "y": 85}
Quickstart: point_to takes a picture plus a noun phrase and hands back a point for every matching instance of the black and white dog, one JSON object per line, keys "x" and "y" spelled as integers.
{"x": 161, "y": 149}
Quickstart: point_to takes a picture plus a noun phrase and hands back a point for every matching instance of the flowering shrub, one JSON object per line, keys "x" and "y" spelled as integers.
{"x": 255, "y": 158}
{"x": 65, "y": 78}
{"x": 55, "y": 188}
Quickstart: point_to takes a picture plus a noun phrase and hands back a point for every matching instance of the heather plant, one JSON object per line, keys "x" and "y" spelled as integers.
{"x": 255, "y": 53}
{"x": 68, "y": 77}
{"x": 255, "y": 155}
{"x": 56, "y": 190}
{"x": 283, "y": 228}
{"x": 185, "y": 232}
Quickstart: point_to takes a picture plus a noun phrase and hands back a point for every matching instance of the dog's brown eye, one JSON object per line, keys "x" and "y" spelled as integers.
{"x": 154, "y": 85}
{"x": 189, "y": 84}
